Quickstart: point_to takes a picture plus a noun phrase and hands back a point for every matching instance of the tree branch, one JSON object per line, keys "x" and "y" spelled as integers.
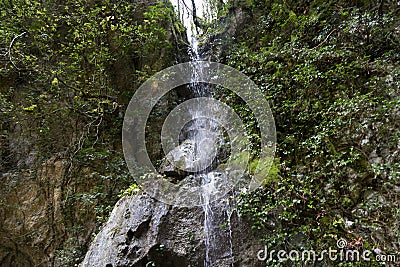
{"x": 10, "y": 47}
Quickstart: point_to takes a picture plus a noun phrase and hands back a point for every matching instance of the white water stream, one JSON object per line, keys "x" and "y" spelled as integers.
{"x": 204, "y": 143}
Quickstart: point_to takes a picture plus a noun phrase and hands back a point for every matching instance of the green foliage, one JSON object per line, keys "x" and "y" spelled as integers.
{"x": 330, "y": 71}
{"x": 263, "y": 164}
{"x": 67, "y": 72}
{"x": 131, "y": 190}
{"x": 69, "y": 59}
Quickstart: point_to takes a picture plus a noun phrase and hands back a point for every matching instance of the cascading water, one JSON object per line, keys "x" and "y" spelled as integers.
{"x": 162, "y": 225}
{"x": 206, "y": 135}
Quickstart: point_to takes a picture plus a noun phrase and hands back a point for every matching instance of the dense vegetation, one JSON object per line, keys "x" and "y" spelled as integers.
{"x": 330, "y": 70}
{"x": 68, "y": 70}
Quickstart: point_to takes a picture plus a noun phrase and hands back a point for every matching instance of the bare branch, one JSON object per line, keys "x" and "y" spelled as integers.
{"x": 10, "y": 47}
{"x": 324, "y": 41}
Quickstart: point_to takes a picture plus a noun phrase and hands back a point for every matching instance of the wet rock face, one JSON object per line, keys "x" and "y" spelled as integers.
{"x": 144, "y": 232}
{"x": 201, "y": 151}
{"x": 133, "y": 234}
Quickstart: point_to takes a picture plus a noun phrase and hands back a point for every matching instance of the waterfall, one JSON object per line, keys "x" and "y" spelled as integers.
{"x": 190, "y": 14}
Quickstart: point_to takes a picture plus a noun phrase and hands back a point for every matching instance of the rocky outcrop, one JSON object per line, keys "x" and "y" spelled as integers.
{"x": 31, "y": 207}
{"x": 202, "y": 150}
{"x": 144, "y": 232}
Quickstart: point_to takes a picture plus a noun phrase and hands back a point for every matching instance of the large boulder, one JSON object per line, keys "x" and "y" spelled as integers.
{"x": 142, "y": 231}
{"x": 201, "y": 152}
